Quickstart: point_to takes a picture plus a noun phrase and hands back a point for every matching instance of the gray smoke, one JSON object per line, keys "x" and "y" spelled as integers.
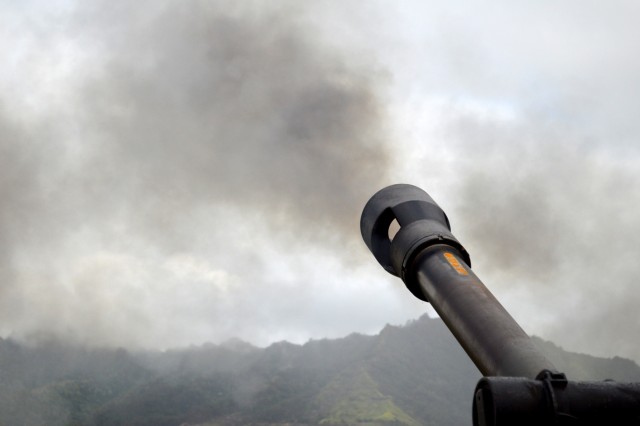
{"x": 205, "y": 106}
{"x": 185, "y": 146}
{"x": 527, "y": 135}
{"x": 179, "y": 172}
{"x": 551, "y": 220}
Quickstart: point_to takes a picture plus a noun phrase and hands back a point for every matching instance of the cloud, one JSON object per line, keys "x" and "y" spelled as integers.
{"x": 180, "y": 172}
{"x": 201, "y": 106}
{"x": 200, "y": 132}
{"x": 520, "y": 122}
{"x": 549, "y": 219}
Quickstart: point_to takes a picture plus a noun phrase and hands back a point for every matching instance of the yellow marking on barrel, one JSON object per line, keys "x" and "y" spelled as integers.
{"x": 455, "y": 264}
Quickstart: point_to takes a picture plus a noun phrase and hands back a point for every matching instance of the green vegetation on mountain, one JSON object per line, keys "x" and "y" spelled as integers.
{"x": 353, "y": 397}
{"x": 411, "y": 375}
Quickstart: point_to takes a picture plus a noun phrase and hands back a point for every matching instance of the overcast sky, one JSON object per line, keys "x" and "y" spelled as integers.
{"x": 177, "y": 172}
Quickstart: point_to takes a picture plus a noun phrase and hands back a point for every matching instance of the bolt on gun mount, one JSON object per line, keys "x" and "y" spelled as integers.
{"x": 521, "y": 386}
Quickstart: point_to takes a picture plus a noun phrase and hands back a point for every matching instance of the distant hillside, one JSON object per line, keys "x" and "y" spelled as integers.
{"x": 411, "y": 375}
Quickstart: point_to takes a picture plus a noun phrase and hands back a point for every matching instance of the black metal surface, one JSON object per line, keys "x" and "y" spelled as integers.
{"x": 436, "y": 268}
{"x": 506, "y": 401}
{"x": 491, "y": 337}
{"x": 422, "y": 223}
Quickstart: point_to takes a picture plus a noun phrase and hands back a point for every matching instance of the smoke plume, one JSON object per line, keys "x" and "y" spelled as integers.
{"x": 178, "y": 149}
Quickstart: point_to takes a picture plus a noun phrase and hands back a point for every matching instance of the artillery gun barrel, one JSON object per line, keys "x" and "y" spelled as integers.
{"x": 523, "y": 386}
{"x": 436, "y": 268}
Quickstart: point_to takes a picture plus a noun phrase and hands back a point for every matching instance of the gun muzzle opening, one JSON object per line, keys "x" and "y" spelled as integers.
{"x": 421, "y": 222}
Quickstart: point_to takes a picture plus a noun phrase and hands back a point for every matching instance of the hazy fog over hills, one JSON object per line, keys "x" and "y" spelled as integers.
{"x": 411, "y": 375}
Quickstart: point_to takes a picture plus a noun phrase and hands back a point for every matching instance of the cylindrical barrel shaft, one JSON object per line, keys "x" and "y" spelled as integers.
{"x": 490, "y": 336}
{"x": 436, "y": 268}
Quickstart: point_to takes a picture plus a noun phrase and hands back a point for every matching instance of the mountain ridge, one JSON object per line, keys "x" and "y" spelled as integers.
{"x": 415, "y": 374}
